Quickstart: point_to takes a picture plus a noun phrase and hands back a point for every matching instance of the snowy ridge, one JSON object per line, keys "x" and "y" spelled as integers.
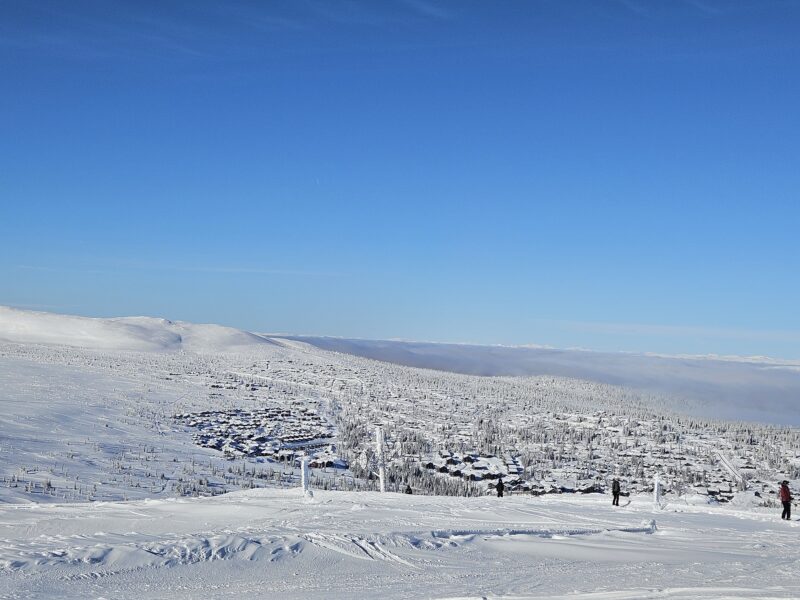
{"x": 142, "y": 334}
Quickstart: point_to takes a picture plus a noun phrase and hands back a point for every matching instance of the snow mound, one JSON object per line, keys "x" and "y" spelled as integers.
{"x": 748, "y": 499}
{"x": 141, "y": 334}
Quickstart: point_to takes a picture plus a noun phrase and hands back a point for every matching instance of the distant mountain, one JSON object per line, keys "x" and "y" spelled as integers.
{"x": 142, "y": 334}
{"x": 721, "y": 387}
{"x": 759, "y": 389}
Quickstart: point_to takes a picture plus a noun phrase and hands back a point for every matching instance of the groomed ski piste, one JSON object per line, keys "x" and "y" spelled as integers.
{"x": 271, "y": 543}
{"x": 145, "y": 458}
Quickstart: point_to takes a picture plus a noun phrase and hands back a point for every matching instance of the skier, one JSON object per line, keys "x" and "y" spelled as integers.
{"x": 615, "y": 491}
{"x": 500, "y": 487}
{"x": 408, "y": 489}
{"x": 786, "y": 499}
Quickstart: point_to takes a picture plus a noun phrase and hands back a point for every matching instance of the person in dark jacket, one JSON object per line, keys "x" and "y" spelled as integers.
{"x": 500, "y": 487}
{"x": 408, "y": 489}
{"x": 786, "y": 499}
{"x": 615, "y": 492}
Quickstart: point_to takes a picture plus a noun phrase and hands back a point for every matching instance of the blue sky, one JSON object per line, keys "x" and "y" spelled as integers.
{"x": 617, "y": 175}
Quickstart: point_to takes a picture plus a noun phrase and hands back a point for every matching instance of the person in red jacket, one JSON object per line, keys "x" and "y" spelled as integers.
{"x": 786, "y": 498}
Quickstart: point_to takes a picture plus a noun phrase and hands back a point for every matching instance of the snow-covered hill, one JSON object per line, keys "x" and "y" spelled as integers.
{"x": 273, "y": 543}
{"x": 144, "y": 334}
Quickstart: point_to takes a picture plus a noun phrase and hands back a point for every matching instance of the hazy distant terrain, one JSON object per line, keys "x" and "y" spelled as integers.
{"x": 762, "y": 390}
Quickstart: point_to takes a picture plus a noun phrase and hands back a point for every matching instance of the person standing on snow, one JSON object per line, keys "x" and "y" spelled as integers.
{"x": 615, "y": 491}
{"x": 786, "y": 499}
{"x": 500, "y": 487}
{"x": 408, "y": 489}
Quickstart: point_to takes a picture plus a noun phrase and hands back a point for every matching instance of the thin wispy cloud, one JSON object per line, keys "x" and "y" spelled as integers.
{"x": 705, "y": 7}
{"x": 36, "y": 306}
{"x": 633, "y": 6}
{"x": 75, "y": 34}
{"x": 243, "y": 270}
{"x": 193, "y": 31}
{"x": 50, "y": 269}
{"x": 365, "y": 13}
{"x": 679, "y": 331}
{"x": 427, "y": 9}
{"x": 231, "y": 269}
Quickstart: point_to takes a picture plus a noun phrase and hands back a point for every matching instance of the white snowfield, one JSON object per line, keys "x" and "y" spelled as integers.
{"x": 272, "y": 543}
{"x": 142, "y": 334}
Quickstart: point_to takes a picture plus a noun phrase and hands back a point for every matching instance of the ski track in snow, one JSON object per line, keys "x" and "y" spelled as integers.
{"x": 270, "y": 543}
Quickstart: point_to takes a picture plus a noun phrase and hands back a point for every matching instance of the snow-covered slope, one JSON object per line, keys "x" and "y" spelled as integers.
{"x": 273, "y": 543}
{"x": 143, "y": 334}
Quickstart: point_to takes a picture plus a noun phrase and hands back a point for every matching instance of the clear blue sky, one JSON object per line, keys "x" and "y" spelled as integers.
{"x": 619, "y": 175}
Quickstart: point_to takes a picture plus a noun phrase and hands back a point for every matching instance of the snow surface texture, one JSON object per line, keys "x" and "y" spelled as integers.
{"x": 274, "y": 543}
{"x": 719, "y": 387}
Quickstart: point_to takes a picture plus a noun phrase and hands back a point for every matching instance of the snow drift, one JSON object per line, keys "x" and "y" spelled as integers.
{"x": 341, "y": 545}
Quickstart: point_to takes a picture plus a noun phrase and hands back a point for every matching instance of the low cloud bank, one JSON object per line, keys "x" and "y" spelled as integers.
{"x": 746, "y": 389}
